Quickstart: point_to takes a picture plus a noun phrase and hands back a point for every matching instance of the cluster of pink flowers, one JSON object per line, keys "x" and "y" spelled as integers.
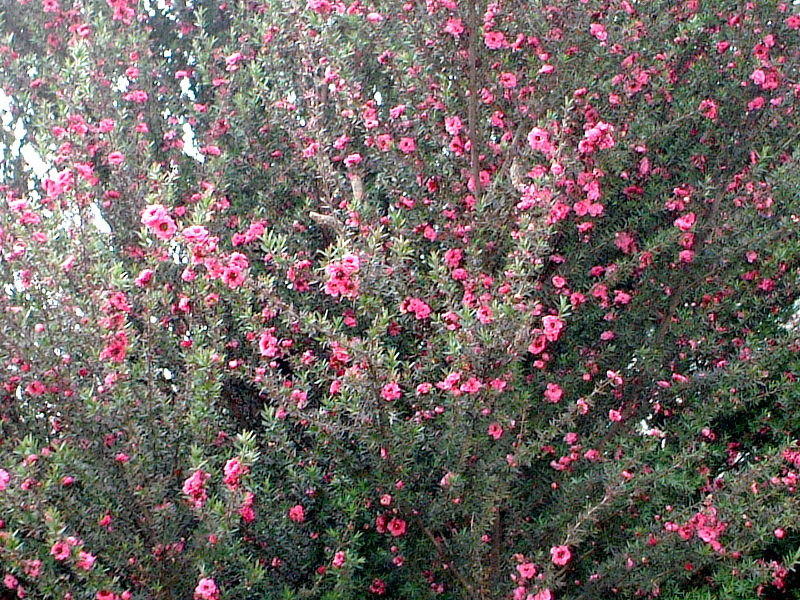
{"x": 418, "y": 307}
{"x": 246, "y": 510}
{"x": 233, "y": 472}
{"x": 599, "y": 136}
{"x": 158, "y": 220}
{"x": 194, "y": 488}
{"x": 342, "y": 280}
{"x": 253, "y": 233}
{"x": 705, "y": 525}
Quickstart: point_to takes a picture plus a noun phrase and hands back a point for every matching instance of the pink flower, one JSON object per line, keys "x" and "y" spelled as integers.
{"x": 194, "y": 487}
{"x": 420, "y": 309}
{"x": 396, "y": 527}
{"x": 137, "y": 96}
{"x": 553, "y": 393}
{"x": 407, "y": 145}
{"x": 297, "y": 513}
{"x": 391, "y": 391}
{"x": 453, "y": 125}
{"x": 144, "y": 278}
{"x": 709, "y": 109}
{"x": 495, "y": 431}
{"x": 539, "y": 140}
{"x": 246, "y": 510}
{"x": 495, "y": 40}
{"x": 4, "y": 479}
{"x": 758, "y": 76}
{"x": 156, "y": 218}
{"x": 116, "y": 158}
{"x": 508, "y": 80}
{"x": 85, "y": 561}
{"x": 455, "y": 27}
{"x": 527, "y": 570}
{"x": 338, "y": 559}
{"x": 598, "y": 31}
{"x": 561, "y": 555}
{"x": 686, "y": 222}
{"x": 232, "y": 61}
{"x": 352, "y": 159}
{"x": 32, "y": 568}
{"x": 234, "y": 470}
{"x": 206, "y": 590}
{"x": 552, "y": 327}
{"x": 60, "y": 550}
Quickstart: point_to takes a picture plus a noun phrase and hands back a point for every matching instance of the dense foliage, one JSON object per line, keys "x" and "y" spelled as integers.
{"x": 439, "y": 298}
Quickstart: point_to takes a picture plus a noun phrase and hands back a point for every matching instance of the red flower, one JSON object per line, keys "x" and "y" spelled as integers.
{"x": 396, "y": 527}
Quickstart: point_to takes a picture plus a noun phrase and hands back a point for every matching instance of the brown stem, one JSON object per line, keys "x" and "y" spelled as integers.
{"x": 444, "y": 556}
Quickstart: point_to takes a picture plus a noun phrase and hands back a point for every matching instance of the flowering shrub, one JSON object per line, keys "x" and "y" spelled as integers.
{"x": 429, "y": 299}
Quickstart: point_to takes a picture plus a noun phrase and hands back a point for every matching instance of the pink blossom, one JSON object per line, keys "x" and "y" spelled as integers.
{"x": 453, "y": 125}
{"x": 232, "y": 61}
{"x": 396, "y": 527}
{"x": 391, "y": 391}
{"x": 297, "y": 513}
{"x": 598, "y": 31}
{"x": 758, "y": 76}
{"x": 194, "y": 487}
{"x": 553, "y": 393}
{"x": 539, "y": 140}
{"x": 527, "y": 570}
{"x": 206, "y": 590}
{"x": 246, "y": 509}
{"x": 156, "y": 218}
{"x": 472, "y": 386}
{"x": 454, "y": 27}
{"x": 352, "y": 159}
{"x": 116, "y": 158}
{"x": 144, "y": 278}
{"x": 407, "y": 145}
{"x": 4, "y": 479}
{"x": 495, "y": 40}
{"x": 709, "y": 109}
{"x": 686, "y": 222}
{"x": 60, "y": 550}
{"x": 338, "y": 559}
{"x": 561, "y": 555}
{"x": 137, "y": 96}
{"x": 233, "y": 472}
{"x": 553, "y": 326}
{"x": 420, "y": 309}
{"x": 508, "y": 80}
{"x": 495, "y": 431}
{"x": 85, "y": 561}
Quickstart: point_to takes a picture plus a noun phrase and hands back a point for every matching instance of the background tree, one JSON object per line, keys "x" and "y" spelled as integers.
{"x": 452, "y": 299}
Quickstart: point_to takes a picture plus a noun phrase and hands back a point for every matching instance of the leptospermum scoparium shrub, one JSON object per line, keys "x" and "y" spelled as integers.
{"x": 443, "y": 299}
